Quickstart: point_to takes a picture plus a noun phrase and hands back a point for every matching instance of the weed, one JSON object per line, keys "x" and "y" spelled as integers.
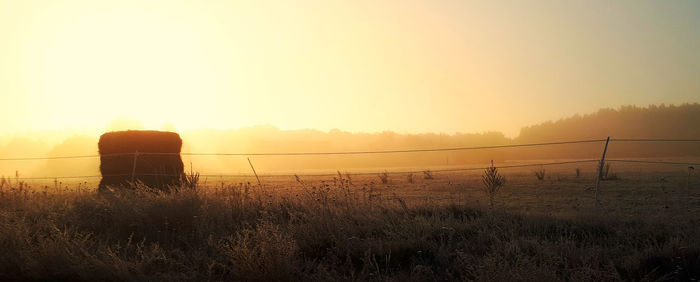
{"x": 384, "y": 177}
{"x": 540, "y": 174}
{"x": 190, "y": 180}
{"x": 493, "y": 181}
{"x": 427, "y": 174}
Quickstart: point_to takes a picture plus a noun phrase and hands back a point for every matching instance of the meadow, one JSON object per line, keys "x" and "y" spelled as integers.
{"x": 358, "y": 228}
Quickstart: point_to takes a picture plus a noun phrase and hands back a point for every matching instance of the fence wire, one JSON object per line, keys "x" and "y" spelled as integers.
{"x": 652, "y": 162}
{"x": 363, "y": 153}
{"x": 317, "y": 175}
{"x": 653, "y": 140}
{"x": 314, "y": 153}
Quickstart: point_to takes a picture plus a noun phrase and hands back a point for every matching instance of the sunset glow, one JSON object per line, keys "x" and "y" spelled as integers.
{"x": 408, "y": 66}
{"x": 349, "y": 140}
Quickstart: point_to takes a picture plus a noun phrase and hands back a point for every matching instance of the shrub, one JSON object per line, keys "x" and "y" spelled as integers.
{"x": 384, "y": 177}
{"x": 190, "y": 180}
{"x": 493, "y": 181}
{"x": 540, "y": 174}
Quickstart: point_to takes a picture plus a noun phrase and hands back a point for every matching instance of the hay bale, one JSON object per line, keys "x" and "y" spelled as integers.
{"x": 158, "y": 163}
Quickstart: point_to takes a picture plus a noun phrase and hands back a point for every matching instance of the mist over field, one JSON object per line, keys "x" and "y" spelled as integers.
{"x": 654, "y": 121}
{"x": 364, "y": 140}
{"x": 638, "y": 223}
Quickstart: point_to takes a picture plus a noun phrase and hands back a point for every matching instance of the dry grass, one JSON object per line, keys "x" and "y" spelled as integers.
{"x": 540, "y": 174}
{"x": 322, "y": 230}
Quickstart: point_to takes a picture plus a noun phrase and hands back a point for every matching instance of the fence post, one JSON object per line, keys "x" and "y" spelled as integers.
{"x": 133, "y": 168}
{"x": 256, "y": 174}
{"x": 600, "y": 171}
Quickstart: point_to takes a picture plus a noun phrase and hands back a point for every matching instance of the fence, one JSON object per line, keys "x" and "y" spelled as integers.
{"x": 601, "y": 161}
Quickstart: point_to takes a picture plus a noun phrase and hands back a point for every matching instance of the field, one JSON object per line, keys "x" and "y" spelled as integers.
{"x": 357, "y": 228}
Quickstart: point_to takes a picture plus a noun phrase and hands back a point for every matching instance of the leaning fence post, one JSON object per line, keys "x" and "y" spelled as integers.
{"x": 256, "y": 174}
{"x": 133, "y": 168}
{"x": 600, "y": 171}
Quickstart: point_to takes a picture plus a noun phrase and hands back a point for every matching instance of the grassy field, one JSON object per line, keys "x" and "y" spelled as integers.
{"x": 646, "y": 227}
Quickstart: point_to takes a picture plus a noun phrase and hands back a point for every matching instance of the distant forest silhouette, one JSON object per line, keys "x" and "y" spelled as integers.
{"x": 655, "y": 121}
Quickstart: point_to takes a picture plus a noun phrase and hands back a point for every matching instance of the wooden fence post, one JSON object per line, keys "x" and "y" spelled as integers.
{"x": 256, "y": 174}
{"x": 133, "y": 168}
{"x": 600, "y": 171}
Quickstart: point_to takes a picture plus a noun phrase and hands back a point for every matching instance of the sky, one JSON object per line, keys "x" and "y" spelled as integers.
{"x": 360, "y": 66}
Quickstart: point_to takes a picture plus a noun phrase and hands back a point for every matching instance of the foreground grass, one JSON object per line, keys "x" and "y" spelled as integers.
{"x": 324, "y": 233}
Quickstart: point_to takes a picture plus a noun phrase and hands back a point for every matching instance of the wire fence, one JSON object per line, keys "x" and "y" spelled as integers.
{"x": 652, "y": 162}
{"x": 638, "y": 161}
{"x": 314, "y": 153}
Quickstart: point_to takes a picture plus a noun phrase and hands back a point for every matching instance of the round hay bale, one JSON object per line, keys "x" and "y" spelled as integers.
{"x": 151, "y": 157}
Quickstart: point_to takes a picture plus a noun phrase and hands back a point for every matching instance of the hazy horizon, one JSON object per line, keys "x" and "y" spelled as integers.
{"x": 119, "y": 124}
{"x": 655, "y": 121}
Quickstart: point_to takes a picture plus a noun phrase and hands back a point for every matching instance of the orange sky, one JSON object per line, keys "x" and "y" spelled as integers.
{"x": 406, "y": 66}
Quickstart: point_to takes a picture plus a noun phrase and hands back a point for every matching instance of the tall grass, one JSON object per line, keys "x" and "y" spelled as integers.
{"x": 327, "y": 232}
